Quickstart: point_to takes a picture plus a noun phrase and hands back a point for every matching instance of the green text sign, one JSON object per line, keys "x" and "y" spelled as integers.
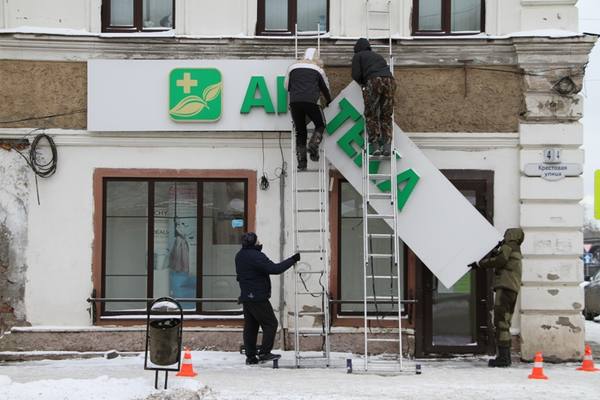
{"x": 195, "y": 94}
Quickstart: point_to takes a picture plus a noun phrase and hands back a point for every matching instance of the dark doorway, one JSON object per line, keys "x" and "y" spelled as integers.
{"x": 457, "y": 320}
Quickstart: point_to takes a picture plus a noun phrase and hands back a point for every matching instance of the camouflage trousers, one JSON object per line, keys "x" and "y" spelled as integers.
{"x": 378, "y": 95}
{"x": 504, "y": 307}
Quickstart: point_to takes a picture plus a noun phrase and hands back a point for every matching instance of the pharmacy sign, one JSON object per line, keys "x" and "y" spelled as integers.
{"x": 195, "y": 94}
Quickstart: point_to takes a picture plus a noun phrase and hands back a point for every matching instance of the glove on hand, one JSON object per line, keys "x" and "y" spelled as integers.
{"x": 474, "y": 265}
{"x": 296, "y": 257}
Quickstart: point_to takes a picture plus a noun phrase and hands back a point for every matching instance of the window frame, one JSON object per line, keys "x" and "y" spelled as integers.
{"x": 102, "y": 176}
{"x": 292, "y": 20}
{"x": 138, "y": 20}
{"x": 446, "y": 21}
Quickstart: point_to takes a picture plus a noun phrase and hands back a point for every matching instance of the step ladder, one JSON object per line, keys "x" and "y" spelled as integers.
{"x": 310, "y": 238}
{"x": 376, "y": 234}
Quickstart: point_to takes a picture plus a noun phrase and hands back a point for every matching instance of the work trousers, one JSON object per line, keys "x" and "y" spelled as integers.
{"x": 259, "y": 314}
{"x": 504, "y": 307}
{"x": 302, "y": 110}
{"x": 378, "y": 95}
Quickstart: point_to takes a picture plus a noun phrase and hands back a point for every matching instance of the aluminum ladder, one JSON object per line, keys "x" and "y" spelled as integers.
{"x": 378, "y": 169}
{"x": 310, "y": 238}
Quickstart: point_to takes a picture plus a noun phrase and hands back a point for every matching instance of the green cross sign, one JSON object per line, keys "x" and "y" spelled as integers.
{"x": 195, "y": 94}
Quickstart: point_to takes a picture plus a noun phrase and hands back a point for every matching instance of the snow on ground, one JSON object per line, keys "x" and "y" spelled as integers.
{"x": 223, "y": 375}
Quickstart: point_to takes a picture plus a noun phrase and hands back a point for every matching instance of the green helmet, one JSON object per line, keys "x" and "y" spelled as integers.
{"x": 514, "y": 235}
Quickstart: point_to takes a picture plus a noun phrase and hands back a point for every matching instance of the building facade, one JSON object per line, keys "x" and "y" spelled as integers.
{"x": 141, "y": 209}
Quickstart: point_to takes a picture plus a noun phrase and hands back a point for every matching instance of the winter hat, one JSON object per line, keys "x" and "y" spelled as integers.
{"x": 249, "y": 239}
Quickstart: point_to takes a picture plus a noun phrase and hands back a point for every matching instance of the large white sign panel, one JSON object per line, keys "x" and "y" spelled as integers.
{"x": 437, "y": 222}
{"x": 187, "y": 95}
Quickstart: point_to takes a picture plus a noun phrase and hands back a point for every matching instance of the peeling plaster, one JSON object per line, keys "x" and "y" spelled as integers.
{"x": 553, "y": 292}
{"x": 14, "y": 190}
{"x": 553, "y": 277}
{"x": 577, "y": 306}
{"x": 565, "y": 321}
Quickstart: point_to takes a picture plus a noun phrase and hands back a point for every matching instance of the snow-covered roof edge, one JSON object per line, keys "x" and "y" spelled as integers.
{"x": 546, "y": 33}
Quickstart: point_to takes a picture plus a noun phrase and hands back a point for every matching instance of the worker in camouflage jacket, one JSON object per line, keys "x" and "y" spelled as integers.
{"x": 506, "y": 262}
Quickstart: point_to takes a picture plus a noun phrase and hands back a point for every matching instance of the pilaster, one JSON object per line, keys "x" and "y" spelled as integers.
{"x": 551, "y": 216}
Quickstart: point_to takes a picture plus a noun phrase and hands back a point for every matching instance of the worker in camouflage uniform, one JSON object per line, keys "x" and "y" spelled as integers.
{"x": 372, "y": 73}
{"x": 506, "y": 261}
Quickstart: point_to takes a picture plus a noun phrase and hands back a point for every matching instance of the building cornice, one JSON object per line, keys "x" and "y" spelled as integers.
{"x": 335, "y": 52}
{"x": 82, "y": 138}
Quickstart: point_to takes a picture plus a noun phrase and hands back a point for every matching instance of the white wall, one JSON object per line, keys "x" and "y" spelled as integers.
{"x": 235, "y": 17}
{"x": 59, "y": 281}
{"x": 69, "y": 14}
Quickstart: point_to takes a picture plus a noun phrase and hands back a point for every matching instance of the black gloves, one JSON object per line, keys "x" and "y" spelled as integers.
{"x": 296, "y": 257}
{"x": 474, "y": 265}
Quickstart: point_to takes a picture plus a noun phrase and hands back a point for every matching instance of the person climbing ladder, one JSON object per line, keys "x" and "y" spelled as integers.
{"x": 372, "y": 73}
{"x": 305, "y": 81}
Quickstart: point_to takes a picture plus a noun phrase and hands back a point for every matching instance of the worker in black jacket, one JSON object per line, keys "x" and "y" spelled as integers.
{"x": 253, "y": 268}
{"x": 372, "y": 73}
{"x": 305, "y": 81}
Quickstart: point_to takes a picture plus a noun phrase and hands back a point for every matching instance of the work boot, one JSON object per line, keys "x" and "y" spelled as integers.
{"x": 502, "y": 358}
{"x": 313, "y": 144}
{"x": 268, "y": 357}
{"x": 375, "y": 148}
{"x": 386, "y": 149}
{"x": 251, "y": 360}
{"x": 301, "y": 156}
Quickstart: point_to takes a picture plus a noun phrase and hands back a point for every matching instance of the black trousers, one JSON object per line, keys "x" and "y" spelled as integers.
{"x": 255, "y": 315}
{"x": 300, "y": 111}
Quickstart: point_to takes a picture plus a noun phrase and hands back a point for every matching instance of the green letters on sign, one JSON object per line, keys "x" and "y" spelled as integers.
{"x": 257, "y": 84}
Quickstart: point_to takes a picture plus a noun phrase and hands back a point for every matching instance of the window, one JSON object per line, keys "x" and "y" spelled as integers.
{"x": 448, "y": 17}
{"x": 279, "y": 17}
{"x": 137, "y": 15}
{"x": 172, "y": 237}
{"x": 350, "y": 274}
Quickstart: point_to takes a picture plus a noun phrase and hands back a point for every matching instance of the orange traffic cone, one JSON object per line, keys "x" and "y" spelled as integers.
{"x": 186, "y": 368}
{"x": 538, "y": 367}
{"x": 588, "y": 361}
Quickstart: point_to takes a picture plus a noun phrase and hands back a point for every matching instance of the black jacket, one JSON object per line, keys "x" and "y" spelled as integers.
{"x": 305, "y": 81}
{"x": 367, "y": 64}
{"x": 253, "y": 268}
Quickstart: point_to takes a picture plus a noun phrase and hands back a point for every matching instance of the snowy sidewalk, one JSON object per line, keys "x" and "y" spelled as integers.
{"x": 223, "y": 375}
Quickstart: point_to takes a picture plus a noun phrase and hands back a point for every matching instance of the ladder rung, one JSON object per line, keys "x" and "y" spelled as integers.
{"x": 379, "y": 29}
{"x": 380, "y": 176}
{"x": 310, "y": 272}
{"x": 310, "y": 293}
{"x": 312, "y": 357}
{"x": 309, "y": 251}
{"x": 311, "y": 170}
{"x": 382, "y": 276}
{"x": 377, "y": 255}
{"x": 380, "y": 46}
{"x": 382, "y": 157}
{"x": 308, "y": 190}
{"x": 381, "y": 235}
{"x": 310, "y": 313}
{"x": 387, "y": 195}
{"x": 384, "y": 216}
{"x": 311, "y": 230}
{"x": 383, "y": 298}
{"x": 309, "y": 210}
{"x": 379, "y": 11}
{"x": 383, "y": 340}
{"x": 311, "y": 334}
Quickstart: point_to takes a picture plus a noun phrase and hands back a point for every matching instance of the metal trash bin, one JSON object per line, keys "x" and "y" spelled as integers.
{"x": 164, "y": 341}
{"x": 164, "y": 332}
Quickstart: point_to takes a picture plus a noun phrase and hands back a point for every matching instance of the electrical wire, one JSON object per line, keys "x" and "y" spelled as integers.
{"x": 43, "y": 117}
{"x": 34, "y": 161}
